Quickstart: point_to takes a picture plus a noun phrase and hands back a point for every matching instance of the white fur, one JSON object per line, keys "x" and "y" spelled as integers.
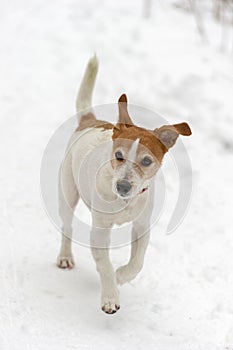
{"x": 86, "y": 172}
{"x": 84, "y": 98}
{"x": 133, "y": 150}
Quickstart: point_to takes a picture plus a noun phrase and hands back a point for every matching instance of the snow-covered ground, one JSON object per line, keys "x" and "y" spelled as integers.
{"x": 183, "y": 299}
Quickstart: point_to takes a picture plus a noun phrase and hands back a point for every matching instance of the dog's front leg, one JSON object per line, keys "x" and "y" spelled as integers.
{"x": 140, "y": 239}
{"x": 100, "y": 239}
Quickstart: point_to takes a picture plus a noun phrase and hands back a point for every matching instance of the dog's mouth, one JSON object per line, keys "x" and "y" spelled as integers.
{"x": 125, "y": 197}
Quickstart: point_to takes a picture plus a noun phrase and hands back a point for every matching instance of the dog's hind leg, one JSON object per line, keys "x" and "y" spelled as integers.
{"x": 68, "y": 199}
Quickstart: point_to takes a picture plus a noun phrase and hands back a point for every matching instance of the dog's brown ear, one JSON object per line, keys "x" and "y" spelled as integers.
{"x": 124, "y": 117}
{"x": 168, "y": 134}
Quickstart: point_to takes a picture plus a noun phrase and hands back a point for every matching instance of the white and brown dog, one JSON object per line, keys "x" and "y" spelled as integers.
{"x": 115, "y": 183}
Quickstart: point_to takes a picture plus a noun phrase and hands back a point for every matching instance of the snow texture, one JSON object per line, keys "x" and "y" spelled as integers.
{"x": 183, "y": 297}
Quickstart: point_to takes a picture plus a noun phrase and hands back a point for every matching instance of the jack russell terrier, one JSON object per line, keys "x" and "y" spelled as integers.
{"x": 116, "y": 184}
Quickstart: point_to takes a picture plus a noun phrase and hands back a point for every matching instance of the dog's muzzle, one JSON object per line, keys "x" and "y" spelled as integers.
{"x": 123, "y": 187}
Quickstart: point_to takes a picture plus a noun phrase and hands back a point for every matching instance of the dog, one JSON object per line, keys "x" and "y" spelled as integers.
{"x": 112, "y": 168}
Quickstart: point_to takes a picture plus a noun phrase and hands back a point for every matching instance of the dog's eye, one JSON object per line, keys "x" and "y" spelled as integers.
{"x": 119, "y": 155}
{"x": 146, "y": 161}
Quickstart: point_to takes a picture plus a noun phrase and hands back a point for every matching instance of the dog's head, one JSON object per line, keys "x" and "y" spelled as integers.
{"x": 138, "y": 153}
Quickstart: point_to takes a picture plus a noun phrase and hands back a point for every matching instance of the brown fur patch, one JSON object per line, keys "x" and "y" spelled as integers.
{"x": 168, "y": 134}
{"x": 147, "y": 139}
{"x": 123, "y": 111}
{"x": 89, "y": 121}
{"x": 183, "y": 129}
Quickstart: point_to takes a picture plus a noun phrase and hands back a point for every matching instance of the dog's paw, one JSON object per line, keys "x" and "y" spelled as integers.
{"x": 65, "y": 262}
{"x": 110, "y": 308}
{"x": 110, "y": 303}
{"x": 124, "y": 275}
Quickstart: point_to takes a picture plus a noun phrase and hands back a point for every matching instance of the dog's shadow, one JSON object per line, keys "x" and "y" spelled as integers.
{"x": 72, "y": 297}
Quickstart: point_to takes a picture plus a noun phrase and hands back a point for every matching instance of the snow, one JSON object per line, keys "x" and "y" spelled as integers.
{"x": 183, "y": 297}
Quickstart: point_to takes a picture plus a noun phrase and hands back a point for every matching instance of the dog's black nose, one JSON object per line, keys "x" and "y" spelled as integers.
{"x": 123, "y": 187}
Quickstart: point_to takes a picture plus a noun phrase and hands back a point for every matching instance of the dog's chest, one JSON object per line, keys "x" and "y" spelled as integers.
{"x": 130, "y": 211}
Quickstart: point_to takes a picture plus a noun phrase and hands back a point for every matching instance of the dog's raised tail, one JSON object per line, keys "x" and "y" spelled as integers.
{"x": 84, "y": 98}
